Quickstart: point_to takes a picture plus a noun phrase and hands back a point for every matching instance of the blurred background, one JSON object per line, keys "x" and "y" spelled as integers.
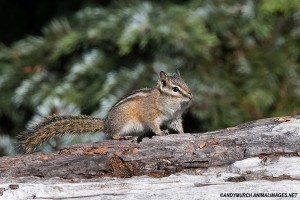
{"x": 240, "y": 58}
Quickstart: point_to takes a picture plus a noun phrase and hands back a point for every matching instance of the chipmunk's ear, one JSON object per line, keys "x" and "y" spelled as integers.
{"x": 178, "y": 72}
{"x": 163, "y": 78}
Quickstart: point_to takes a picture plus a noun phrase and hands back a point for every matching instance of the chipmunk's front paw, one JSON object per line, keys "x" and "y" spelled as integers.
{"x": 164, "y": 132}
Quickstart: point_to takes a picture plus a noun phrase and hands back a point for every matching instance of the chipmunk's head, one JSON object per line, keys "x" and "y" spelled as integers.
{"x": 174, "y": 86}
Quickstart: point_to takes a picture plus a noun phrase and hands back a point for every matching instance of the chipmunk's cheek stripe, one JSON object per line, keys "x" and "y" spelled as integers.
{"x": 187, "y": 95}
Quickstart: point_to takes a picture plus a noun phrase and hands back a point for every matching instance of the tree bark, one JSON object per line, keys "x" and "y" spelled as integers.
{"x": 233, "y": 159}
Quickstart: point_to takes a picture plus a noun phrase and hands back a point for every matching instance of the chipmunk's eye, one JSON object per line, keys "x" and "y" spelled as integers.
{"x": 175, "y": 89}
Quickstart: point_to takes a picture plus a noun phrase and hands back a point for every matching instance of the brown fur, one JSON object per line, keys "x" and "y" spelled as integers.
{"x": 53, "y": 126}
{"x": 141, "y": 111}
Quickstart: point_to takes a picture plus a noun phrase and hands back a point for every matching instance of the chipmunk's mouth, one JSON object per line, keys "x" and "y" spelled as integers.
{"x": 188, "y": 100}
{"x": 190, "y": 97}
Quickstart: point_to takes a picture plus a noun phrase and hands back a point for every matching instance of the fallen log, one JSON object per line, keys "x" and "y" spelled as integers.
{"x": 235, "y": 159}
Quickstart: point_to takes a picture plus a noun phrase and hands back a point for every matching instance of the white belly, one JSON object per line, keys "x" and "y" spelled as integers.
{"x": 133, "y": 128}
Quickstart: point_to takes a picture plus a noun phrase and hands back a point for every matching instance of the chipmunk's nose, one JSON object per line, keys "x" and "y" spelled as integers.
{"x": 190, "y": 97}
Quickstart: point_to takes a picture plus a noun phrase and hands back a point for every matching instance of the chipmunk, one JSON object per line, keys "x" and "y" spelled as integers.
{"x": 141, "y": 111}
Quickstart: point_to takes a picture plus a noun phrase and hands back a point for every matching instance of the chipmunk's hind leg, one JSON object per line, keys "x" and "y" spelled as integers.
{"x": 120, "y": 137}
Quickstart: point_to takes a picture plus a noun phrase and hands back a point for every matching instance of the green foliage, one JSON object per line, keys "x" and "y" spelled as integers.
{"x": 6, "y": 145}
{"x": 241, "y": 59}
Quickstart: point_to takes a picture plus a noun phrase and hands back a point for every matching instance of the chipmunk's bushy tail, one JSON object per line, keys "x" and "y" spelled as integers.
{"x": 53, "y": 126}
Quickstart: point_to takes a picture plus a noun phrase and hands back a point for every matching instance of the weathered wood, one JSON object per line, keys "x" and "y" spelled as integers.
{"x": 230, "y": 160}
{"x": 171, "y": 187}
{"x": 161, "y": 156}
